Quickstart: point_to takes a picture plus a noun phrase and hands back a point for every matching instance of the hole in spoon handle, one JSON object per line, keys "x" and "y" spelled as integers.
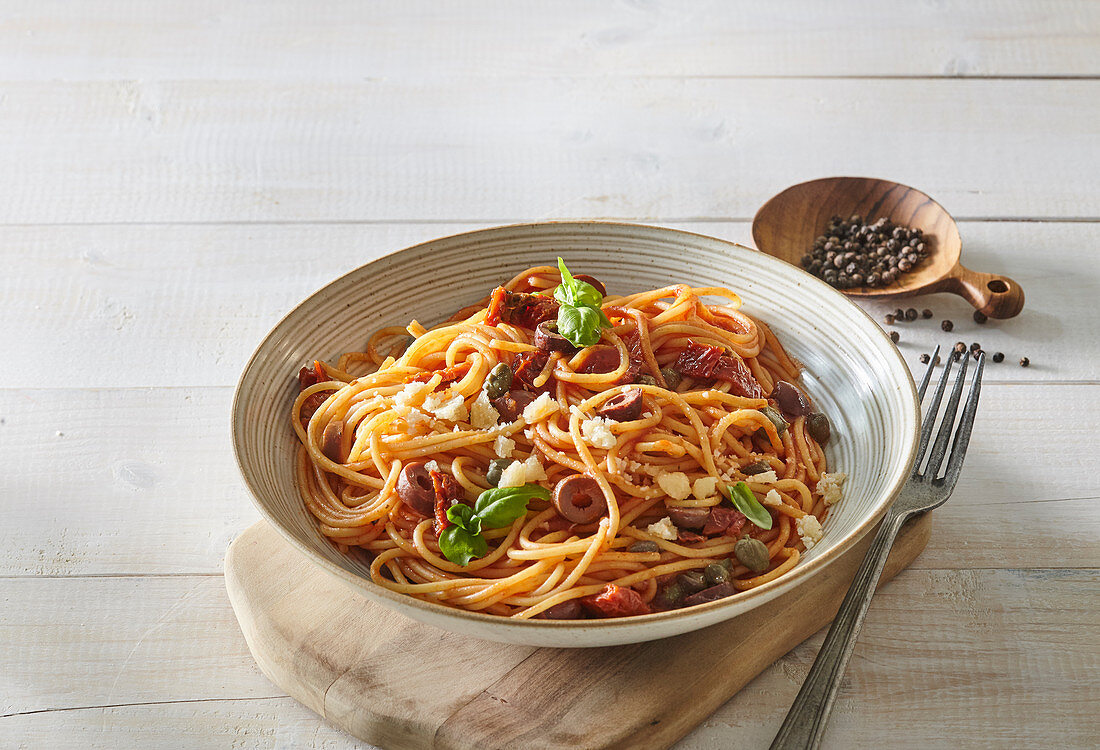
{"x": 995, "y": 295}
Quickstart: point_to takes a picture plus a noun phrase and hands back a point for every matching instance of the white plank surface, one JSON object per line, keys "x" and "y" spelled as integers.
{"x": 185, "y": 305}
{"x": 417, "y": 39}
{"x": 174, "y": 176}
{"x": 643, "y": 148}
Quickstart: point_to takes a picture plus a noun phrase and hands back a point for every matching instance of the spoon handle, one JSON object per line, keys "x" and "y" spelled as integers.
{"x": 995, "y": 295}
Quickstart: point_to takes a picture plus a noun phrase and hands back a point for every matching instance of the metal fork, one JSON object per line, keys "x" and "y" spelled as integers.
{"x": 805, "y": 722}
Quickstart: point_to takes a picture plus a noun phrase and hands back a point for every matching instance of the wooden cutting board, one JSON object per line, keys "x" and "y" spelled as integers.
{"x": 396, "y": 683}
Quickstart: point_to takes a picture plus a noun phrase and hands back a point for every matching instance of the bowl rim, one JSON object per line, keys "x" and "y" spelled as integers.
{"x": 753, "y": 597}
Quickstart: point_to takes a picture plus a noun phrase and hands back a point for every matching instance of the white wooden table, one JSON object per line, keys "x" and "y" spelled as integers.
{"x": 175, "y": 176}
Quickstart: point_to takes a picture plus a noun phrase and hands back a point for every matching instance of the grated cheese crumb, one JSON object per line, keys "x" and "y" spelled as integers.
{"x": 483, "y": 415}
{"x": 773, "y": 498}
{"x": 766, "y": 477}
{"x": 597, "y": 433}
{"x": 432, "y": 465}
{"x": 539, "y": 409}
{"x": 664, "y": 529}
{"x": 452, "y": 409}
{"x": 809, "y": 530}
{"x": 829, "y": 487}
{"x": 704, "y": 487}
{"x": 411, "y": 394}
{"x": 515, "y": 475}
{"x": 534, "y": 470}
{"x": 675, "y": 484}
{"x": 504, "y": 446}
{"x": 418, "y": 422}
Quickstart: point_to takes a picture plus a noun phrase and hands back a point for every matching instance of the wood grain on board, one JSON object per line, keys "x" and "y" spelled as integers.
{"x": 401, "y": 684}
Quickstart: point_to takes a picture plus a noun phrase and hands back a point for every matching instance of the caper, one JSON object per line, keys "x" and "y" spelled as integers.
{"x": 498, "y": 381}
{"x": 753, "y": 554}
{"x": 496, "y": 468}
{"x": 715, "y": 574}
{"x": 726, "y": 563}
{"x": 775, "y": 418}
{"x": 644, "y": 546}
{"x": 756, "y": 467}
{"x": 645, "y": 379}
{"x": 818, "y": 427}
{"x": 693, "y": 581}
{"x": 670, "y": 594}
{"x": 672, "y": 378}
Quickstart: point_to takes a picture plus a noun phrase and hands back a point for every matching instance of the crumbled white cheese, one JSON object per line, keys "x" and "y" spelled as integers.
{"x": 704, "y": 487}
{"x": 773, "y": 498}
{"x": 514, "y": 475}
{"x": 411, "y": 394}
{"x": 432, "y": 465}
{"x": 664, "y": 529}
{"x": 534, "y": 470}
{"x": 809, "y": 530}
{"x": 675, "y": 484}
{"x": 418, "y": 422}
{"x": 450, "y": 408}
{"x": 766, "y": 477}
{"x": 539, "y": 409}
{"x": 483, "y": 415}
{"x": 597, "y": 433}
{"x": 504, "y": 446}
{"x": 829, "y": 487}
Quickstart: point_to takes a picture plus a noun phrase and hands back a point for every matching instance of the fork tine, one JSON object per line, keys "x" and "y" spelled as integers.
{"x": 928, "y": 374}
{"x": 966, "y": 424}
{"x": 930, "y": 415}
{"x": 939, "y": 449}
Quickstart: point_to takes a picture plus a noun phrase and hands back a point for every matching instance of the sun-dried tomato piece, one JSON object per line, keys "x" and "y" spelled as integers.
{"x": 724, "y": 521}
{"x": 689, "y": 537}
{"x": 311, "y": 405}
{"x": 526, "y": 367}
{"x": 615, "y": 601}
{"x": 698, "y": 360}
{"x": 308, "y": 376}
{"x": 604, "y": 358}
{"x": 526, "y": 310}
{"x": 450, "y": 375}
{"x": 496, "y": 306}
{"x": 735, "y": 372}
{"x": 447, "y": 493}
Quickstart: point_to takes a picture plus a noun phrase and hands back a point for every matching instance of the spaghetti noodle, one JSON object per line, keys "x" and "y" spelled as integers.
{"x": 490, "y": 464}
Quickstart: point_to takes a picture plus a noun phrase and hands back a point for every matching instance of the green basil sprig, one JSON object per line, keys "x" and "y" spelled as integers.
{"x": 746, "y": 502}
{"x": 495, "y": 509}
{"x": 580, "y": 318}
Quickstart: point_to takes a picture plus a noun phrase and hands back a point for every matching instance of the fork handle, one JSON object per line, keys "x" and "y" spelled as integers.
{"x": 805, "y": 722}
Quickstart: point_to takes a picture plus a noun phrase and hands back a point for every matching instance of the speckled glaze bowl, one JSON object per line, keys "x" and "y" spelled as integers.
{"x": 852, "y": 371}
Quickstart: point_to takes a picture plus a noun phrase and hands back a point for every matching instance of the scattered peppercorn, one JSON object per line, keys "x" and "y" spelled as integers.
{"x": 854, "y": 253}
{"x": 975, "y": 346}
{"x": 947, "y": 325}
{"x": 999, "y": 357}
{"x": 926, "y": 313}
{"x": 899, "y": 313}
{"x": 924, "y": 359}
{"x": 1025, "y": 362}
{"x": 895, "y": 336}
{"x": 977, "y": 353}
{"x": 960, "y": 347}
{"x": 980, "y": 317}
{"x": 911, "y": 314}
{"x": 889, "y": 320}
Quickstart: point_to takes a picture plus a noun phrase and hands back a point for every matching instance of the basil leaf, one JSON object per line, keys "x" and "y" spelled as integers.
{"x": 463, "y": 515}
{"x": 567, "y": 286}
{"x": 459, "y": 545}
{"x": 581, "y": 325}
{"x": 746, "y": 502}
{"x": 500, "y": 506}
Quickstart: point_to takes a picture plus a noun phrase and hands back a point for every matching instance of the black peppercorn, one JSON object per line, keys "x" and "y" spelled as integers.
{"x": 975, "y": 346}
{"x": 947, "y": 325}
{"x": 889, "y": 319}
{"x": 999, "y": 357}
{"x": 926, "y": 313}
{"x": 977, "y": 353}
{"x": 924, "y": 358}
{"x": 1025, "y": 362}
{"x": 980, "y": 317}
{"x": 899, "y": 313}
{"x": 911, "y": 314}
{"x": 896, "y": 337}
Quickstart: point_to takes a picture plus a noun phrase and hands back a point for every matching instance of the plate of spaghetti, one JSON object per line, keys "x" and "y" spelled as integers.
{"x": 575, "y": 434}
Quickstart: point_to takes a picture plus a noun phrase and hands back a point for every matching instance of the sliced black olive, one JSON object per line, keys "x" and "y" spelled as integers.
{"x": 332, "y": 441}
{"x": 689, "y": 518}
{"x": 791, "y": 399}
{"x": 570, "y": 609}
{"x": 714, "y": 593}
{"x": 511, "y": 405}
{"x": 578, "y": 498}
{"x": 593, "y": 281}
{"x": 623, "y": 407}
{"x": 416, "y": 489}
{"x": 548, "y": 338}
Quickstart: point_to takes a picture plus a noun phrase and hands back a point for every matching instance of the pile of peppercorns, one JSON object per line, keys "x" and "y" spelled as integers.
{"x": 853, "y": 253}
{"x": 960, "y": 349}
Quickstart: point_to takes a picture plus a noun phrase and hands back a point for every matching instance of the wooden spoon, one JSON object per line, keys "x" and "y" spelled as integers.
{"x": 787, "y": 225}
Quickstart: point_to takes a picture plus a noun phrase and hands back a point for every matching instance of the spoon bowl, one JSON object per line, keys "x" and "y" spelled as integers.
{"x": 787, "y": 225}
